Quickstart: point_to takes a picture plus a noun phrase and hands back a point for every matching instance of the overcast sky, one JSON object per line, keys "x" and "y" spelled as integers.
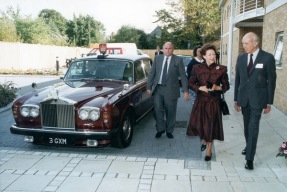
{"x": 112, "y": 13}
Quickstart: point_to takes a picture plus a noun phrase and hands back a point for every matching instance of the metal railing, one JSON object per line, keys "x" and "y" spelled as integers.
{"x": 248, "y": 5}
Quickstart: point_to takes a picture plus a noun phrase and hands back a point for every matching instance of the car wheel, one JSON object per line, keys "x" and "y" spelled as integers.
{"x": 124, "y": 137}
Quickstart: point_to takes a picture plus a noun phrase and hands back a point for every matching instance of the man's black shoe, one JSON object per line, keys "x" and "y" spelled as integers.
{"x": 249, "y": 165}
{"x": 158, "y": 134}
{"x": 243, "y": 151}
{"x": 169, "y": 135}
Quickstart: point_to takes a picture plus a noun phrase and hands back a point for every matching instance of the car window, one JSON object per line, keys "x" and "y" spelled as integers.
{"x": 139, "y": 71}
{"x": 186, "y": 60}
{"x": 146, "y": 67}
{"x": 101, "y": 69}
{"x": 128, "y": 74}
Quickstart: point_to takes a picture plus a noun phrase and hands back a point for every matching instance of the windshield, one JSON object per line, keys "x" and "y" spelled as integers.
{"x": 101, "y": 69}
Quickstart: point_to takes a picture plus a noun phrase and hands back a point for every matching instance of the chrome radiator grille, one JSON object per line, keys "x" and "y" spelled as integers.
{"x": 57, "y": 114}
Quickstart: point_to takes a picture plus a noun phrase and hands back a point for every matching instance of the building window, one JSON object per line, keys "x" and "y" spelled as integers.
{"x": 278, "y": 51}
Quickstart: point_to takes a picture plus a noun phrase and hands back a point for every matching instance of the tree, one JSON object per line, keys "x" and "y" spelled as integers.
{"x": 130, "y": 34}
{"x": 28, "y": 30}
{"x": 83, "y": 30}
{"x": 127, "y": 34}
{"x": 55, "y": 20}
{"x": 190, "y": 22}
{"x": 8, "y": 30}
{"x": 202, "y": 18}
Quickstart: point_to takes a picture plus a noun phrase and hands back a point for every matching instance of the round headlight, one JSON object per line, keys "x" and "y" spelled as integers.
{"x": 83, "y": 114}
{"x": 94, "y": 115}
{"x": 34, "y": 112}
{"x": 25, "y": 111}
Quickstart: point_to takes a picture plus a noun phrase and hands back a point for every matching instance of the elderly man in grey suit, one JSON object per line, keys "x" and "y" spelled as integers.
{"x": 255, "y": 83}
{"x": 163, "y": 84}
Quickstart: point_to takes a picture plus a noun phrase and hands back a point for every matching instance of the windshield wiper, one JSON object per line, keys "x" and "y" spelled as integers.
{"x": 87, "y": 79}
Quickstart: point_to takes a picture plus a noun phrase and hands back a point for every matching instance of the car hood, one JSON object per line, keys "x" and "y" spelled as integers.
{"x": 75, "y": 91}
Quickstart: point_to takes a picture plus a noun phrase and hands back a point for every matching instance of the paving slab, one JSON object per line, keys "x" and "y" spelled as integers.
{"x": 118, "y": 185}
{"x": 23, "y": 162}
{"x": 129, "y": 167}
{"x": 76, "y": 184}
{"x": 31, "y": 183}
{"x": 88, "y": 165}
{"x": 170, "y": 186}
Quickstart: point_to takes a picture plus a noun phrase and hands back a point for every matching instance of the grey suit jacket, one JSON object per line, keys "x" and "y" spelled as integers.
{"x": 258, "y": 88}
{"x": 176, "y": 69}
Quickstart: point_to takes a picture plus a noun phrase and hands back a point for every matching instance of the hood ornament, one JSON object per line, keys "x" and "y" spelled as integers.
{"x": 53, "y": 94}
{"x": 34, "y": 86}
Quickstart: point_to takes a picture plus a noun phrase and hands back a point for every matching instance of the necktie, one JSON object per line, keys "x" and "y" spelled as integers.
{"x": 249, "y": 67}
{"x": 164, "y": 73}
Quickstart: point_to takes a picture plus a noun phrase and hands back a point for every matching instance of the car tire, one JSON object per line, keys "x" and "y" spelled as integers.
{"x": 123, "y": 137}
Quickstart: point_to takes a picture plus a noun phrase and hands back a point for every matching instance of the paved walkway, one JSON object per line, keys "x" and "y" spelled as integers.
{"x": 102, "y": 172}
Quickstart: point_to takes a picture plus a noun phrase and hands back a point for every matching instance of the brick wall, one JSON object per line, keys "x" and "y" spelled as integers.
{"x": 270, "y": 32}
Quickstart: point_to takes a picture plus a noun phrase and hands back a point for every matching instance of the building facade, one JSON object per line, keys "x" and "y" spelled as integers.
{"x": 268, "y": 19}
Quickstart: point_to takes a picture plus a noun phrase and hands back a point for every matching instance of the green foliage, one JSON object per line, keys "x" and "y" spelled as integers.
{"x": 50, "y": 28}
{"x": 33, "y": 31}
{"x": 54, "y": 19}
{"x": 7, "y": 93}
{"x": 203, "y": 18}
{"x": 83, "y": 30}
{"x": 190, "y": 22}
{"x": 130, "y": 34}
{"x": 8, "y": 30}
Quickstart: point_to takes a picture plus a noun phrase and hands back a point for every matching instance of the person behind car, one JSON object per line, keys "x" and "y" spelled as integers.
{"x": 209, "y": 80}
{"x": 163, "y": 84}
{"x": 91, "y": 69}
{"x": 197, "y": 59}
{"x": 158, "y": 51}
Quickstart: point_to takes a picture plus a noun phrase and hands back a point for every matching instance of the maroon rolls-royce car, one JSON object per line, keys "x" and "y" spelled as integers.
{"x": 99, "y": 101}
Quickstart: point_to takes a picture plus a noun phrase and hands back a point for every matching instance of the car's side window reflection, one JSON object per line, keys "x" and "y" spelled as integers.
{"x": 147, "y": 66}
{"x": 128, "y": 72}
{"x": 139, "y": 71}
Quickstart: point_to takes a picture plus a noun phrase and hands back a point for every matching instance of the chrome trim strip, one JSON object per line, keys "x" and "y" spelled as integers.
{"x": 59, "y": 131}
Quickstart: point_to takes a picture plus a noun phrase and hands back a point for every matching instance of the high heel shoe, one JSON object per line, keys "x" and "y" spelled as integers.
{"x": 203, "y": 147}
{"x": 208, "y": 158}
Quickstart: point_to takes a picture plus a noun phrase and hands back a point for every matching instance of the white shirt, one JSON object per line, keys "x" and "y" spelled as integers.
{"x": 168, "y": 61}
{"x": 255, "y": 53}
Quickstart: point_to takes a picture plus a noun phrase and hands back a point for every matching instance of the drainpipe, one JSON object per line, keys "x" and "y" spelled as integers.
{"x": 230, "y": 36}
{"x": 221, "y": 34}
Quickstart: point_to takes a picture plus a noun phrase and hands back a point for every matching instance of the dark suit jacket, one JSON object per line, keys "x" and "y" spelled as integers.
{"x": 156, "y": 53}
{"x": 176, "y": 69}
{"x": 258, "y": 88}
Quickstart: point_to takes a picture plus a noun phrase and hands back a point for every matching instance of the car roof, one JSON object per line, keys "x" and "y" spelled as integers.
{"x": 185, "y": 55}
{"x": 118, "y": 56}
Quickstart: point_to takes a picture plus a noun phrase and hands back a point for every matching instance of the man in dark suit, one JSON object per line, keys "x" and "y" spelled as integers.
{"x": 163, "y": 84}
{"x": 158, "y": 51}
{"x": 255, "y": 83}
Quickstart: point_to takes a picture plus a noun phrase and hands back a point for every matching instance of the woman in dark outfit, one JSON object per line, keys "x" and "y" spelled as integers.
{"x": 208, "y": 80}
{"x": 197, "y": 59}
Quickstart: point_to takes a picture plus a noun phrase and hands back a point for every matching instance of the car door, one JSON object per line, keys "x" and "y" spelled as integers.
{"x": 142, "y": 69}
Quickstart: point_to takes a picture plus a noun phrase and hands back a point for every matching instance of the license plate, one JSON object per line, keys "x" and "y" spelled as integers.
{"x": 57, "y": 141}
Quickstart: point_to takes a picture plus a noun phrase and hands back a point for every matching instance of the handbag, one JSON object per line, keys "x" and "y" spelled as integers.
{"x": 223, "y": 106}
